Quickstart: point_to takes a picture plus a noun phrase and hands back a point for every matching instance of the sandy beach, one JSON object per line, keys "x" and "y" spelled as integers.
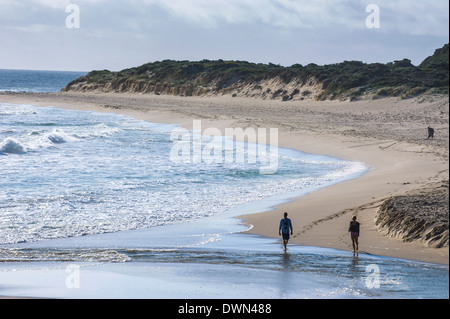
{"x": 387, "y": 135}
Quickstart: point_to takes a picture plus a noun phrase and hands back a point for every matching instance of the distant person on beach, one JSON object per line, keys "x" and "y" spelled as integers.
{"x": 354, "y": 233}
{"x": 283, "y": 230}
{"x": 430, "y": 133}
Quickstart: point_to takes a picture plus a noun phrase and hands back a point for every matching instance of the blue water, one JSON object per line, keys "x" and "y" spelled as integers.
{"x": 31, "y": 81}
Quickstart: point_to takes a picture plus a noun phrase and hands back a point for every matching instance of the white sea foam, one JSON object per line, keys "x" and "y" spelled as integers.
{"x": 98, "y": 130}
{"x": 14, "y": 109}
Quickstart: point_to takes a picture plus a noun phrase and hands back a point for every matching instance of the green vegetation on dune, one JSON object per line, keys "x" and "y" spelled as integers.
{"x": 348, "y": 79}
{"x": 439, "y": 60}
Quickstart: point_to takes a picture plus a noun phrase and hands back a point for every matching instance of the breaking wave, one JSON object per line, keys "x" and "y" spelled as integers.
{"x": 11, "y": 146}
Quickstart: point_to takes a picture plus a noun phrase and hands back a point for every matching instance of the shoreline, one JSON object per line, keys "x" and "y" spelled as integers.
{"x": 397, "y": 165}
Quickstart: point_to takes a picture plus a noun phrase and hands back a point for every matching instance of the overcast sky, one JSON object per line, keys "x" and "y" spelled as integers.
{"x": 120, "y": 34}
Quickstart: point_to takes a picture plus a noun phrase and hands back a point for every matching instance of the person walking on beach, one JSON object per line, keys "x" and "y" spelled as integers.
{"x": 430, "y": 133}
{"x": 354, "y": 233}
{"x": 283, "y": 230}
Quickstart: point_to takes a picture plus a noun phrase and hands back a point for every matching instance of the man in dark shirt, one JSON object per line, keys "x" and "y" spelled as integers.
{"x": 430, "y": 133}
{"x": 353, "y": 229}
{"x": 283, "y": 230}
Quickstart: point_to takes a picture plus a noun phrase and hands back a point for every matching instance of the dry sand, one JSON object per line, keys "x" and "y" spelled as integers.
{"x": 388, "y": 135}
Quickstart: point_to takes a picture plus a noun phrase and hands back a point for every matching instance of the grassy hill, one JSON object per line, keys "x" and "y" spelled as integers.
{"x": 346, "y": 80}
{"x": 439, "y": 60}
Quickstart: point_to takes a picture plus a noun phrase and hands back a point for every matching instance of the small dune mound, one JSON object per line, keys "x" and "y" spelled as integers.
{"x": 420, "y": 215}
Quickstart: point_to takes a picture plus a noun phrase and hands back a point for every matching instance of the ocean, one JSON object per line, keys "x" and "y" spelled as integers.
{"x": 33, "y": 81}
{"x": 102, "y": 192}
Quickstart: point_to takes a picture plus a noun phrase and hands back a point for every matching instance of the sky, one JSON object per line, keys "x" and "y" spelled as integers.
{"x": 118, "y": 34}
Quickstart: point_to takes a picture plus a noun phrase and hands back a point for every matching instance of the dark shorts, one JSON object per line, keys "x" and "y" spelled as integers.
{"x": 285, "y": 236}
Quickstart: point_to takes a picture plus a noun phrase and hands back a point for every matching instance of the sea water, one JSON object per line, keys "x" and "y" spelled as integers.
{"x": 34, "y": 81}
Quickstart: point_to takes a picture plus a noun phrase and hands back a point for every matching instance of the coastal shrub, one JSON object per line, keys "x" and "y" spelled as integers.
{"x": 348, "y": 79}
